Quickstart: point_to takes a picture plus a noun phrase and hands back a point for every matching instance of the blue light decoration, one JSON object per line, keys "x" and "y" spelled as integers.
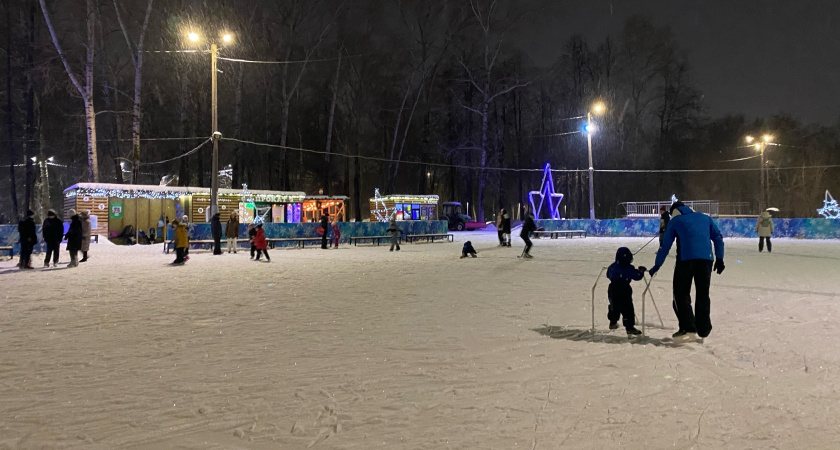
{"x": 830, "y": 209}
{"x": 547, "y": 195}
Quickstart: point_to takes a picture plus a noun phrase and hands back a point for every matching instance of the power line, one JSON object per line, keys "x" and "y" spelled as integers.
{"x": 295, "y": 61}
{"x": 178, "y": 157}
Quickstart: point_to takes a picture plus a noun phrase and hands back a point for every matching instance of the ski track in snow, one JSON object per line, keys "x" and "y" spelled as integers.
{"x": 361, "y": 348}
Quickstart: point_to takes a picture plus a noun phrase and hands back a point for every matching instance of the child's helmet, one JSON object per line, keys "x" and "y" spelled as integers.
{"x": 624, "y": 256}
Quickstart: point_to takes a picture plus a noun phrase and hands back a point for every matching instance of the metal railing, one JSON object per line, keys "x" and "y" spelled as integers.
{"x": 639, "y": 210}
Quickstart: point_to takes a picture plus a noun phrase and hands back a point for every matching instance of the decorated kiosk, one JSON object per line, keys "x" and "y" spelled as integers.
{"x": 403, "y": 207}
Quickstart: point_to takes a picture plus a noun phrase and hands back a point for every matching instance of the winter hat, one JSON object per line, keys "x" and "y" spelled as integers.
{"x": 84, "y": 214}
{"x": 51, "y": 213}
{"x": 624, "y": 256}
{"x": 185, "y": 217}
{"x": 675, "y": 205}
{"x": 72, "y": 212}
{"x": 29, "y": 213}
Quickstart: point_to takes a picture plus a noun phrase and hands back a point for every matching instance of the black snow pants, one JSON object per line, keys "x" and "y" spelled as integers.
{"x": 621, "y": 305}
{"x": 700, "y": 272}
{"x": 761, "y": 244}
{"x": 528, "y": 243}
{"x": 52, "y": 250}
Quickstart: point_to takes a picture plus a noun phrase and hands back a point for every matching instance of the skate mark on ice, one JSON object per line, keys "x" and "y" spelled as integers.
{"x": 578, "y": 334}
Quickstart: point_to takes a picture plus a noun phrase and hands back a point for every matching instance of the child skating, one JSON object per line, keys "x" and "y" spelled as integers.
{"x": 394, "y": 230}
{"x": 261, "y": 244}
{"x": 468, "y": 250}
{"x": 620, "y": 274}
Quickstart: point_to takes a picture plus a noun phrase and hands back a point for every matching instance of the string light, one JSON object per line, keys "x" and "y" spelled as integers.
{"x": 830, "y": 209}
{"x": 382, "y": 214}
{"x": 547, "y": 195}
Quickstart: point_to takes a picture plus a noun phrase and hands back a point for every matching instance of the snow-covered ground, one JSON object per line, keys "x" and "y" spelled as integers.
{"x": 366, "y": 349}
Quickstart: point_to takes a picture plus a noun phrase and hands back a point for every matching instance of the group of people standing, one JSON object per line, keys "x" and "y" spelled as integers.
{"x": 503, "y": 228}
{"x": 52, "y": 231}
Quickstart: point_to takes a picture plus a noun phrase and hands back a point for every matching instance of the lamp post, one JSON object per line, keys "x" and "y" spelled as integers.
{"x": 598, "y": 108}
{"x": 214, "y": 174}
{"x": 764, "y": 197}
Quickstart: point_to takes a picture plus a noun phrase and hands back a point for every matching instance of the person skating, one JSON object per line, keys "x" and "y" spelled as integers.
{"x": 499, "y": 231}
{"x": 394, "y": 230}
{"x": 181, "y": 241}
{"x": 764, "y": 228}
{"x": 28, "y": 239}
{"x": 216, "y": 232}
{"x": 664, "y": 218}
{"x": 84, "y": 217}
{"x": 506, "y": 227}
{"x": 621, "y": 273}
{"x": 468, "y": 250}
{"x": 261, "y": 244}
{"x": 74, "y": 238}
{"x": 336, "y": 232}
{"x": 325, "y": 227}
{"x": 527, "y": 227}
{"x": 53, "y": 231}
{"x": 232, "y": 231}
{"x": 694, "y": 233}
{"x": 252, "y": 233}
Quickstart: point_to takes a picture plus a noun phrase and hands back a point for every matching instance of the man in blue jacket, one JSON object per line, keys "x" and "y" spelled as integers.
{"x": 694, "y": 233}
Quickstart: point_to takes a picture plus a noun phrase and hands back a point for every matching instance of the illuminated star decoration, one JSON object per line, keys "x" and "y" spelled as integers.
{"x": 830, "y": 210}
{"x": 546, "y": 195}
{"x": 381, "y": 213}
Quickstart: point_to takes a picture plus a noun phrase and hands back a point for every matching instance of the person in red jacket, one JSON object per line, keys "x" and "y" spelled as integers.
{"x": 337, "y": 233}
{"x": 260, "y": 244}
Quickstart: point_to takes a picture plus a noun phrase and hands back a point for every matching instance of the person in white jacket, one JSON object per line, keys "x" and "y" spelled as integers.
{"x": 764, "y": 228}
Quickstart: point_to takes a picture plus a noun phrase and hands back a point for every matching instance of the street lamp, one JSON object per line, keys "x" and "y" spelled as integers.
{"x": 214, "y": 180}
{"x": 759, "y": 146}
{"x": 590, "y": 128}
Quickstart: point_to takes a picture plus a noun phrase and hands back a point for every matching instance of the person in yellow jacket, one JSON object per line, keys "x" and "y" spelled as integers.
{"x": 181, "y": 241}
{"x": 764, "y": 228}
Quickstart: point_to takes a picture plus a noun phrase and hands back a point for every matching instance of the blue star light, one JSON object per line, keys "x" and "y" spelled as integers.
{"x": 830, "y": 210}
{"x": 547, "y": 195}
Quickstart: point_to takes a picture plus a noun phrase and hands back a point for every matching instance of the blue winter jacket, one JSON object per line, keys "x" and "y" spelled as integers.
{"x": 694, "y": 233}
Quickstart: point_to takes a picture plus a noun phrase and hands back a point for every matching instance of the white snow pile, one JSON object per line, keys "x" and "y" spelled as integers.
{"x": 362, "y": 348}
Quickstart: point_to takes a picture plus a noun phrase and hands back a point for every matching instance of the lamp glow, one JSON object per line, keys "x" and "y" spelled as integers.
{"x": 599, "y": 108}
{"x": 749, "y": 139}
{"x": 767, "y": 138}
{"x": 193, "y": 37}
{"x": 227, "y": 38}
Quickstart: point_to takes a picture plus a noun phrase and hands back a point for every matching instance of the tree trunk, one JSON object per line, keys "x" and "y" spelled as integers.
{"x": 184, "y": 169}
{"x": 85, "y": 91}
{"x": 10, "y": 145}
{"x": 357, "y": 185}
{"x": 330, "y": 127}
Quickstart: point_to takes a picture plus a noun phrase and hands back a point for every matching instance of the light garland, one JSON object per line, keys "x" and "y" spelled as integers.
{"x": 124, "y": 193}
{"x": 830, "y": 209}
{"x": 382, "y": 215}
{"x": 547, "y": 195}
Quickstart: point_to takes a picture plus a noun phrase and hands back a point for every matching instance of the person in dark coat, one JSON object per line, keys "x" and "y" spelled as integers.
{"x": 499, "y": 231}
{"x": 28, "y": 239}
{"x": 232, "y": 231}
{"x": 74, "y": 238}
{"x": 216, "y": 232}
{"x": 620, "y": 274}
{"x": 394, "y": 230}
{"x": 664, "y": 218}
{"x": 506, "y": 228}
{"x": 468, "y": 249}
{"x": 53, "y": 231}
{"x": 694, "y": 233}
{"x": 252, "y": 234}
{"x": 527, "y": 228}
{"x": 325, "y": 226}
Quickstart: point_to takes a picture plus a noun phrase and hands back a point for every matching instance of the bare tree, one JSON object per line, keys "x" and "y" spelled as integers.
{"x": 137, "y": 58}
{"x": 85, "y": 91}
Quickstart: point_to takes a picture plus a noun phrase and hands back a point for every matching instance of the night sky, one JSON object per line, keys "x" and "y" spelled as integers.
{"x": 749, "y": 57}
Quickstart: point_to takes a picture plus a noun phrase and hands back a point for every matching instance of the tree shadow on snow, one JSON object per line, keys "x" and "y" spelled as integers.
{"x": 615, "y": 337}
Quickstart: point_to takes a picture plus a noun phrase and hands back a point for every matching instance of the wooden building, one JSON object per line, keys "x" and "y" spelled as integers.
{"x": 404, "y": 207}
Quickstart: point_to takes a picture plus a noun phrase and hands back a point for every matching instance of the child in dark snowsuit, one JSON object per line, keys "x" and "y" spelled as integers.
{"x": 621, "y": 273}
{"x": 468, "y": 250}
{"x": 394, "y": 230}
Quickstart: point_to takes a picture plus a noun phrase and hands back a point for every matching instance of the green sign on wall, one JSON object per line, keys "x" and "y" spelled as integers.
{"x": 116, "y": 210}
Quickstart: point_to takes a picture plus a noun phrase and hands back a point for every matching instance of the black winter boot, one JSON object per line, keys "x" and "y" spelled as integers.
{"x": 84, "y": 257}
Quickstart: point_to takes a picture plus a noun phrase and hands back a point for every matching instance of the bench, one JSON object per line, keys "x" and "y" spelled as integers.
{"x": 301, "y": 242}
{"x": 410, "y": 238}
{"x": 203, "y": 242}
{"x": 11, "y": 251}
{"x": 373, "y": 239}
{"x": 95, "y": 238}
{"x": 565, "y": 233}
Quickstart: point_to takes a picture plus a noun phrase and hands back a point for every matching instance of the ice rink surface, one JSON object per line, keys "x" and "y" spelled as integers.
{"x": 362, "y": 348}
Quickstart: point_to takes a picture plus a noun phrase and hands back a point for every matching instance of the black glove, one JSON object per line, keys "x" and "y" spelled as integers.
{"x": 719, "y": 266}
{"x": 642, "y": 269}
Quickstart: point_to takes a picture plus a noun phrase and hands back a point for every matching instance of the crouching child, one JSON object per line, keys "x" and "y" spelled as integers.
{"x": 468, "y": 250}
{"x": 621, "y": 273}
